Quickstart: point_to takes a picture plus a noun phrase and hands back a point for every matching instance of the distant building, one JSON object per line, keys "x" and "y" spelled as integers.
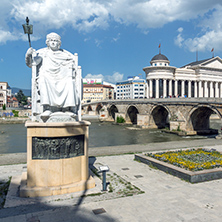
{"x": 133, "y": 88}
{"x": 113, "y": 85}
{"x": 197, "y": 79}
{"x": 12, "y": 102}
{"x": 96, "y": 92}
{"x": 5, "y": 92}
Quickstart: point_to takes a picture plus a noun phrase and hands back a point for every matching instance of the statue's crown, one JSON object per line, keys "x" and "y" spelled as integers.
{"x": 53, "y": 35}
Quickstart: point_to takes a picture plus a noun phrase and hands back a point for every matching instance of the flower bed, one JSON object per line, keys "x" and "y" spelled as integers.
{"x": 193, "y": 160}
{"x": 193, "y": 165}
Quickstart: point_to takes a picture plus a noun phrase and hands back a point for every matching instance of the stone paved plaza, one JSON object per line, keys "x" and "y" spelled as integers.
{"x": 165, "y": 198}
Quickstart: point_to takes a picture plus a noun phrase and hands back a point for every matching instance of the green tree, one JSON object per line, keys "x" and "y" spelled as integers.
{"x": 4, "y": 107}
{"x": 22, "y": 99}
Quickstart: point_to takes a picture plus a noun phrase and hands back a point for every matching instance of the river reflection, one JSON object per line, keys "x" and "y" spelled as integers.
{"x": 13, "y": 136}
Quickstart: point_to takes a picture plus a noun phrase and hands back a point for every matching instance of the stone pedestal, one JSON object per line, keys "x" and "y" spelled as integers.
{"x": 57, "y": 159}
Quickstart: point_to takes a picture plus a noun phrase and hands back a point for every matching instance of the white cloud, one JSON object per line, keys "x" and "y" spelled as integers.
{"x": 85, "y": 15}
{"x": 82, "y": 15}
{"x": 116, "y": 77}
{"x": 115, "y": 39}
{"x": 7, "y": 36}
{"x": 180, "y": 29}
{"x": 98, "y": 76}
{"x": 209, "y": 37}
{"x": 153, "y": 14}
{"x": 179, "y": 39}
{"x": 88, "y": 15}
{"x": 98, "y": 42}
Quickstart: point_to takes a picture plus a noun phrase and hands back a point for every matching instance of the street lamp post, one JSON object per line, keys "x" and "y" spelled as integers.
{"x": 28, "y": 29}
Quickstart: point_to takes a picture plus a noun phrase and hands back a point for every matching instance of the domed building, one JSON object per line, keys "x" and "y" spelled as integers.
{"x": 197, "y": 79}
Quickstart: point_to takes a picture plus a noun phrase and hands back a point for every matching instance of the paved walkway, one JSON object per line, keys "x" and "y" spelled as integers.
{"x": 165, "y": 198}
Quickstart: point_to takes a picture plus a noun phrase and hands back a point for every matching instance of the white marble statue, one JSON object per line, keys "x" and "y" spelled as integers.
{"x": 56, "y": 82}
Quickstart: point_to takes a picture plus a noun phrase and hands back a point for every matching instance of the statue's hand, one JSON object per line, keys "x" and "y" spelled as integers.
{"x": 30, "y": 51}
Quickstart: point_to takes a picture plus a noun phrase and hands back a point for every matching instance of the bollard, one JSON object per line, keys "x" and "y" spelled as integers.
{"x": 104, "y": 169}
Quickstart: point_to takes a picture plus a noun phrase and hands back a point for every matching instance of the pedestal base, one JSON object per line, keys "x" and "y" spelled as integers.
{"x": 55, "y": 190}
{"x": 57, "y": 159}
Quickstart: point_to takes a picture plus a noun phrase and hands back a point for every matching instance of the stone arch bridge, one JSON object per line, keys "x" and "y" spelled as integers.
{"x": 187, "y": 114}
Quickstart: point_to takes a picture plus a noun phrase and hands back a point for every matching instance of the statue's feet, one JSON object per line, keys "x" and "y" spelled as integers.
{"x": 46, "y": 113}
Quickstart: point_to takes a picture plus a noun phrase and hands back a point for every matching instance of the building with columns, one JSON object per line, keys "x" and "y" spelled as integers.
{"x": 197, "y": 79}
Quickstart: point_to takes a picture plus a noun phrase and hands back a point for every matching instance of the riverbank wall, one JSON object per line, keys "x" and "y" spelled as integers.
{"x": 13, "y": 120}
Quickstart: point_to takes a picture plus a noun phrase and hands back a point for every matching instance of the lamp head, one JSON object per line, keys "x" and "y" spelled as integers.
{"x": 28, "y": 29}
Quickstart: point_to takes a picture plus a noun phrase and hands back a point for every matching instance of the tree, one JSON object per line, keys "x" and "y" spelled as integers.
{"x": 22, "y": 99}
{"x": 4, "y": 107}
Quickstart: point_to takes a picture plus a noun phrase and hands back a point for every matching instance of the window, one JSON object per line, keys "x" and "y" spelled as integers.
{"x": 1, "y": 94}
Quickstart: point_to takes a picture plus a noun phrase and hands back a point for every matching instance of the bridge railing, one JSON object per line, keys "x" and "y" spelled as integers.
{"x": 158, "y": 100}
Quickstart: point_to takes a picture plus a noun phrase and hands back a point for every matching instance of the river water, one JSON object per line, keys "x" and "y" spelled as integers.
{"x": 13, "y": 136}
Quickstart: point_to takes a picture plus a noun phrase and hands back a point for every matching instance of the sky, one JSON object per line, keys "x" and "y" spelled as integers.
{"x": 113, "y": 38}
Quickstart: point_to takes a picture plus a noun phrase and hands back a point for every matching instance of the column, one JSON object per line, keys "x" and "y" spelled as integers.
{"x": 147, "y": 90}
{"x": 164, "y": 88}
{"x": 189, "y": 88}
{"x": 195, "y": 89}
{"x": 170, "y": 87}
{"x": 220, "y": 90}
{"x": 200, "y": 89}
{"x": 151, "y": 88}
{"x": 211, "y": 90}
{"x": 182, "y": 88}
{"x": 216, "y": 90}
{"x": 205, "y": 89}
{"x": 157, "y": 88}
{"x": 176, "y": 88}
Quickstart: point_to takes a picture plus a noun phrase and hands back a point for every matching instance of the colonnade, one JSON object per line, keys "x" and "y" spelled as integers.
{"x": 162, "y": 88}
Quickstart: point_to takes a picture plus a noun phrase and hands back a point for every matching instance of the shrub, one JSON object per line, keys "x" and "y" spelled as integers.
{"x": 178, "y": 128}
{"x": 15, "y": 112}
{"x": 120, "y": 119}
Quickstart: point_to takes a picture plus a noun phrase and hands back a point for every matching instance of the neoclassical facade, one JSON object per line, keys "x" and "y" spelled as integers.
{"x": 197, "y": 79}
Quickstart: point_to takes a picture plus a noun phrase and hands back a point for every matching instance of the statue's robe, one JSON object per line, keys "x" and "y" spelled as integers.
{"x": 56, "y": 78}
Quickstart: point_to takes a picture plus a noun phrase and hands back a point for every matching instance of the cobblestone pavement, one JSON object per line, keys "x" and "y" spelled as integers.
{"x": 165, "y": 197}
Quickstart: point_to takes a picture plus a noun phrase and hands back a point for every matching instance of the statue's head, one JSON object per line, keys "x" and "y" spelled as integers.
{"x": 53, "y": 41}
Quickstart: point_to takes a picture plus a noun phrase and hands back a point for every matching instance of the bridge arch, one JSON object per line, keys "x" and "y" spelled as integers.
{"x": 199, "y": 118}
{"x": 89, "y": 108}
{"x": 131, "y": 114}
{"x": 98, "y": 108}
{"x": 160, "y": 116}
{"x": 112, "y": 110}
